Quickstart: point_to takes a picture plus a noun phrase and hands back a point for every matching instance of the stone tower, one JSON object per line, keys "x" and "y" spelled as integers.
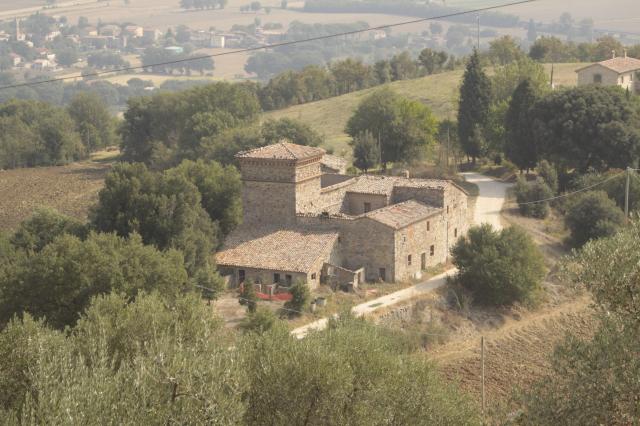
{"x": 279, "y": 181}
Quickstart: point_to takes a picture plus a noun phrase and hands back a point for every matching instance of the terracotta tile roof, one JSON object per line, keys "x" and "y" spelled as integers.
{"x": 293, "y": 250}
{"x": 334, "y": 162}
{"x": 384, "y": 185}
{"x": 620, "y": 64}
{"x": 282, "y": 151}
{"x": 399, "y": 215}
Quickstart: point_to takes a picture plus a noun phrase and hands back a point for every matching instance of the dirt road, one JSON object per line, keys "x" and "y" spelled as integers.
{"x": 492, "y": 195}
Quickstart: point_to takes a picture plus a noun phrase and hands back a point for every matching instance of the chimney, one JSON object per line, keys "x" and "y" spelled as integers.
{"x": 613, "y": 54}
{"x": 625, "y": 53}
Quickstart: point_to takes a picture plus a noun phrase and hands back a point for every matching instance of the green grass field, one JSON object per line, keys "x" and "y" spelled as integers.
{"x": 439, "y": 92}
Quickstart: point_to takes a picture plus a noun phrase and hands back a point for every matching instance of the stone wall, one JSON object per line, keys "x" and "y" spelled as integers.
{"x": 333, "y": 197}
{"x": 416, "y": 241}
{"x": 308, "y": 196}
{"x": 266, "y": 170}
{"x": 369, "y": 244}
{"x": 267, "y": 203}
{"x": 430, "y": 196}
{"x": 330, "y": 179}
{"x": 355, "y": 202}
{"x": 456, "y": 211}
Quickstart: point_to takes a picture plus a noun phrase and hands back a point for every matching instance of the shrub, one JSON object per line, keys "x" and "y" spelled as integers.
{"x": 248, "y": 297}
{"x": 529, "y": 192}
{"x": 498, "y": 267}
{"x": 591, "y": 216}
{"x": 260, "y": 321}
{"x": 549, "y": 175}
{"x": 300, "y": 299}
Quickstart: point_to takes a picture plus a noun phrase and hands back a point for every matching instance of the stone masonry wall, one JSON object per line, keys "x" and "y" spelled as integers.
{"x": 308, "y": 196}
{"x": 428, "y": 196}
{"x": 267, "y": 203}
{"x": 355, "y": 202}
{"x": 416, "y": 240}
{"x": 369, "y": 244}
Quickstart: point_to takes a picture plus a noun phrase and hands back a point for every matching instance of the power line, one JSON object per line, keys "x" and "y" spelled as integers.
{"x": 572, "y": 193}
{"x": 269, "y": 46}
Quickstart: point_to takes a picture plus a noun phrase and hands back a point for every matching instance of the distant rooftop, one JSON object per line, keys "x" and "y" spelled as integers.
{"x": 292, "y": 250}
{"x": 621, "y": 64}
{"x": 402, "y": 214}
{"x": 282, "y": 151}
{"x": 383, "y": 185}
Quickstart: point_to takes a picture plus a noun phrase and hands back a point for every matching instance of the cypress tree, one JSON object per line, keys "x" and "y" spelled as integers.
{"x": 520, "y": 147}
{"x": 473, "y": 110}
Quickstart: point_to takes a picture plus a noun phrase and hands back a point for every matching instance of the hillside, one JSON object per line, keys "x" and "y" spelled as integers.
{"x": 439, "y": 92}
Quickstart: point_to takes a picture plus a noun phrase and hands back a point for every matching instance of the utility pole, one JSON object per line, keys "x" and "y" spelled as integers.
{"x": 482, "y": 358}
{"x": 626, "y": 195}
{"x": 478, "y": 17}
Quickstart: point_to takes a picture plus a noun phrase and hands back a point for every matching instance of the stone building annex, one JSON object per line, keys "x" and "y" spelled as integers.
{"x": 303, "y": 224}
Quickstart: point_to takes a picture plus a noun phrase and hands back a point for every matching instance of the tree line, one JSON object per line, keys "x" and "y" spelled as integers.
{"x": 37, "y": 134}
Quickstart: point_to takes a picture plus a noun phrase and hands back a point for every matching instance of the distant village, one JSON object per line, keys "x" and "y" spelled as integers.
{"x": 21, "y": 48}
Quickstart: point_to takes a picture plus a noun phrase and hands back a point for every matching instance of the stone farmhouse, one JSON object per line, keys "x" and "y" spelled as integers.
{"x": 617, "y": 71}
{"x": 335, "y": 229}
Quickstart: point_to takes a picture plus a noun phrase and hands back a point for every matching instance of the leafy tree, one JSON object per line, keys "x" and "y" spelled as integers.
{"x": 591, "y": 216}
{"x": 473, "y": 111}
{"x": 432, "y": 61}
{"x": 405, "y": 128}
{"x": 220, "y": 188}
{"x": 499, "y": 267}
{"x": 165, "y": 209}
{"x": 587, "y": 127}
{"x": 94, "y": 123}
{"x": 365, "y": 151}
{"x": 37, "y": 134}
{"x": 57, "y": 283}
{"x": 167, "y": 357}
{"x": 175, "y": 125}
{"x": 504, "y": 50}
{"x": 224, "y": 146}
{"x": 521, "y": 146}
{"x": 382, "y": 72}
{"x": 364, "y": 367}
{"x": 551, "y": 49}
{"x": 594, "y": 380}
{"x": 506, "y": 79}
{"x": 549, "y": 175}
{"x": 274, "y": 131}
{"x": 300, "y": 299}
{"x": 403, "y": 67}
{"x": 350, "y": 75}
{"x": 248, "y": 297}
{"x": 44, "y": 226}
{"x": 529, "y": 193}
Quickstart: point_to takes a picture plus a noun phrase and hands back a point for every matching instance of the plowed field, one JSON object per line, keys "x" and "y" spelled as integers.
{"x": 70, "y": 189}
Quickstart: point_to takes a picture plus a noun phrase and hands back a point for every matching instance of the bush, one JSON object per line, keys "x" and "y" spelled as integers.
{"x": 498, "y": 267}
{"x": 528, "y": 192}
{"x": 591, "y": 216}
{"x": 301, "y": 296}
{"x": 259, "y": 321}
{"x": 248, "y": 297}
{"x": 549, "y": 175}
